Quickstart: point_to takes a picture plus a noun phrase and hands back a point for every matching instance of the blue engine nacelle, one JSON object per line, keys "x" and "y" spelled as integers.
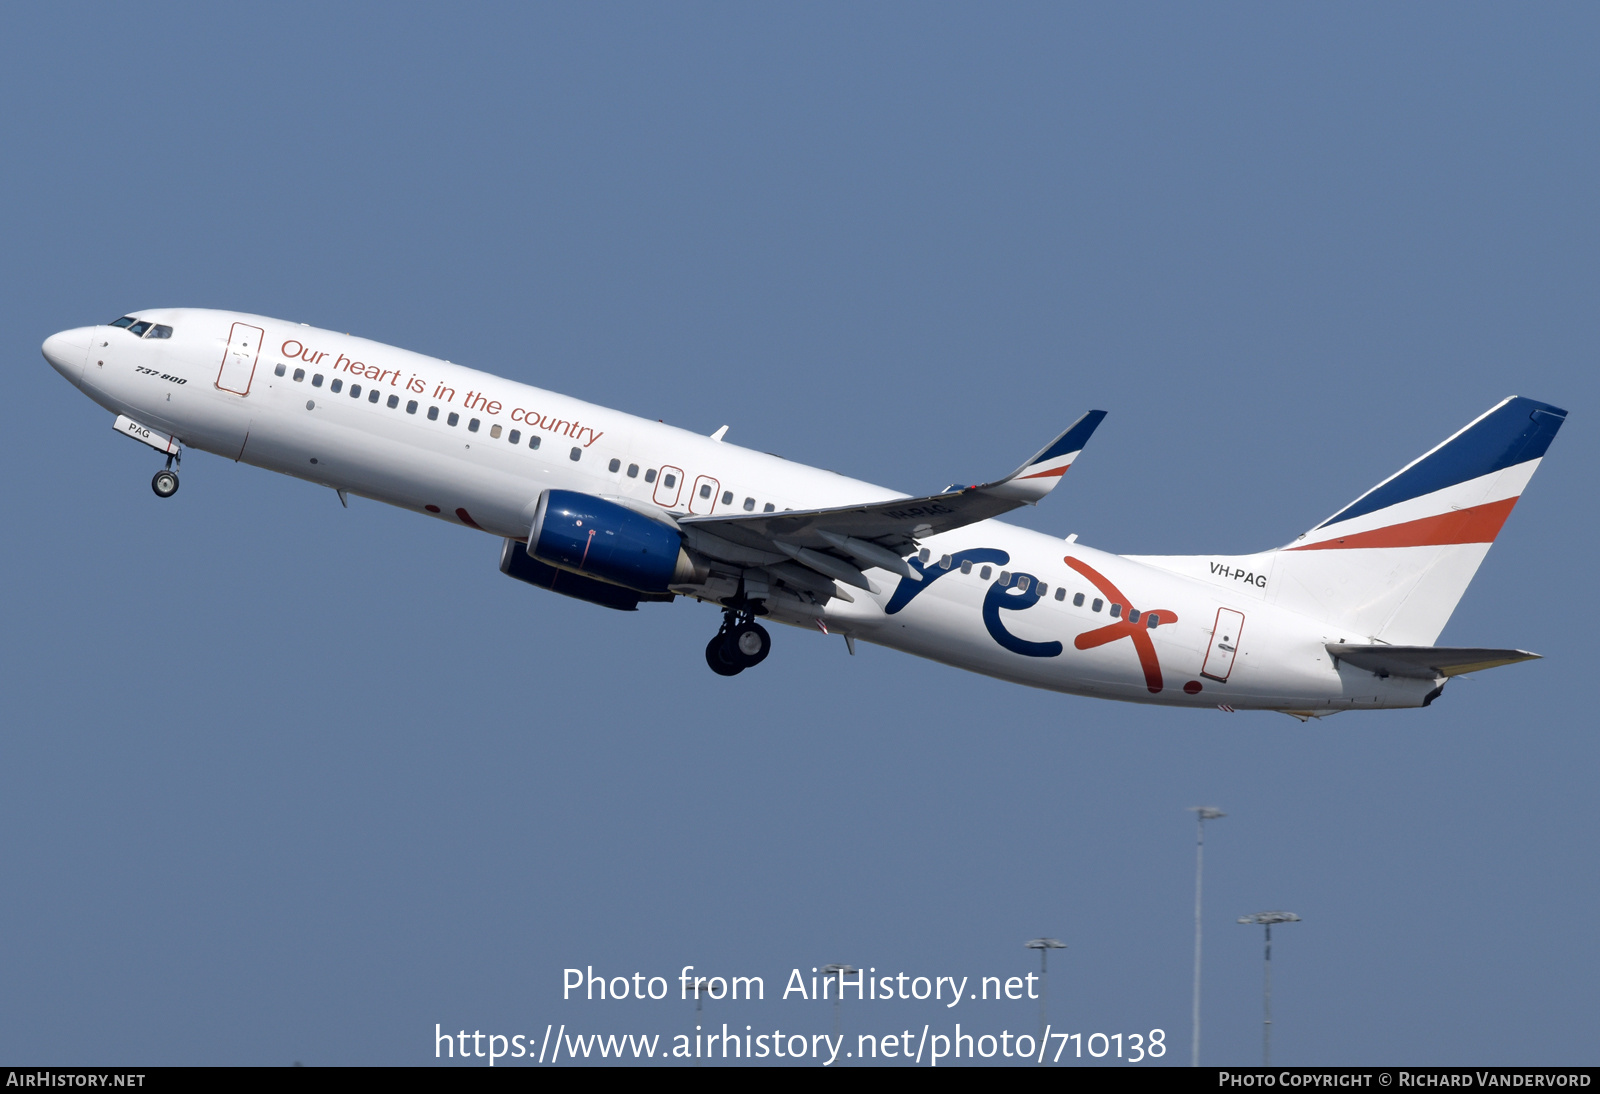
{"x": 514, "y": 562}
{"x": 599, "y": 539}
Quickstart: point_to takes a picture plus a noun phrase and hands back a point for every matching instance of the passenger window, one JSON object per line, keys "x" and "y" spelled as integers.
{"x": 767, "y": 508}
{"x": 138, "y": 328}
{"x": 614, "y": 466}
{"x": 433, "y": 414}
{"x": 705, "y": 490}
{"x": 727, "y": 498}
{"x": 355, "y": 391}
{"x": 494, "y": 431}
{"x": 944, "y": 562}
{"x": 1061, "y": 592}
{"x": 299, "y": 375}
{"x": 1022, "y": 583}
{"x": 514, "y": 437}
{"x": 279, "y": 370}
{"x": 1097, "y": 605}
{"x": 1151, "y": 619}
{"x": 966, "y": 565}
{"x": 1133, "y": 615}
{"x": 1043, "y": 588}
{"x": 1077, "y": 600}
{"x": 452, "y": 419}
{"x": 984, "y": 573}
{"x": 337, "y": 386}
{"x": 316, "y": 381}
{"x": 394, "y": 401}
{"x": 650, "y": 475}
{"x": 125, "y": 321}
{"x": 533, "y": 441}
{"x": 575, "y": 455}
{"x": 472, "y": 426}
{"x": 669, "y": 481}
{"x": 923, "y": 555}
{"x": 374, "y": 395}
{"x": 633, "y": 471}
{"x": 411, "y": 407}
{"x": 749, "y": 505}
{"x": 160, "y": 331}
{"x": 1116, "y": 611}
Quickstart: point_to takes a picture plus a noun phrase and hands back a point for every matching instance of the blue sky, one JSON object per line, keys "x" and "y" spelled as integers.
{"x": 283, "y": 781}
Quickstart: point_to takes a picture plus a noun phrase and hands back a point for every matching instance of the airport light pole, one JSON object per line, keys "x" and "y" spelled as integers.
{"x": 839, "y": 971}
{"x": 1202, "y": 813}
{"x": 701, "y": 986}
{"x": 1267, "y": 919}
{"x": 1044, "y": 946}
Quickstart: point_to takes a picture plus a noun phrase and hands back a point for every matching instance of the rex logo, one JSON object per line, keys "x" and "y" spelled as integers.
{"x": 1018, "y": 595}
{"x": 1133, "y": 625}
{"x": 1014, "y": 597}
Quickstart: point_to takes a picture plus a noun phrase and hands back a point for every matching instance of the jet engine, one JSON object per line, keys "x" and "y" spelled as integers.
{"x": 514, "y": 562}
{"x": 610, "y": 543}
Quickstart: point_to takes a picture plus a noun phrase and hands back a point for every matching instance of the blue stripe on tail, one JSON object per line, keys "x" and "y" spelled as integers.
{"x": 1515, "y": 432}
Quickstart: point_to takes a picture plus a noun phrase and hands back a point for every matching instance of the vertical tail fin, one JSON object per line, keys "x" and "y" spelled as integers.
{"x": 1393, "y": 564}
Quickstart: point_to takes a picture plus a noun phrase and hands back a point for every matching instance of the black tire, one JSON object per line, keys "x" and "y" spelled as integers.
{"x": 716, "y": 657}
{"x": 748, "y": 645}
{"x": 165, "y": 484}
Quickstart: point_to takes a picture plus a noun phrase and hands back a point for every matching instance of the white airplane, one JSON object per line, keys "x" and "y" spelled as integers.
{"x": 618, "y": 510}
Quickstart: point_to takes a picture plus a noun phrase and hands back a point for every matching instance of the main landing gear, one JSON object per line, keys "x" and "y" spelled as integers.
{"x": 742, "y": 643}
{"x": 165, "y": 484}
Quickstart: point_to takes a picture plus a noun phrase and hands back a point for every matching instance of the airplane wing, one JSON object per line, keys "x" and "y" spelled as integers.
{"x": 840, "y": 542}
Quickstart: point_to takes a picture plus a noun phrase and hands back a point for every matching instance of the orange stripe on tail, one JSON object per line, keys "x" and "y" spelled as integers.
{"x": 1479, "y": 524}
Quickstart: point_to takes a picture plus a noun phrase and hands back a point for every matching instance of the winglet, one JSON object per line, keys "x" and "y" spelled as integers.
{"x": 1036, "y": 478}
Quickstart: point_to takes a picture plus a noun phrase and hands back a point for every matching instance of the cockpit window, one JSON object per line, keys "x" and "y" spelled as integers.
{"x": 139, "y": 328}
{"x": 125, "y": 321}
{"x": 160, "y": 331}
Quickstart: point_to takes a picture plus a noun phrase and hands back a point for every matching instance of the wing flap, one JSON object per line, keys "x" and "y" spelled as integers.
{"x": 899, "y": 522}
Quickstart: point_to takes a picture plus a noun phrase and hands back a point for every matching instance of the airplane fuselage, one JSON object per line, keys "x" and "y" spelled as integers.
{"x": 477, "y": 450}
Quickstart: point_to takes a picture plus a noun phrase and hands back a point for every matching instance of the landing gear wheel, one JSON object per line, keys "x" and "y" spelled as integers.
{"x": 748, "y": 644}
{"x": 741, "y": 642}
{"x": 165, "y": 484}
{"x": 716, "y": 657}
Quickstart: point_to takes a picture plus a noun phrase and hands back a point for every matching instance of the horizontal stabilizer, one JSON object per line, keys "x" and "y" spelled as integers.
{"x": 1424, "y": 662}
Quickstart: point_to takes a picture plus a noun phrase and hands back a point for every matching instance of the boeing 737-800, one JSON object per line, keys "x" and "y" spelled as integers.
{"x": 616, "y": 510}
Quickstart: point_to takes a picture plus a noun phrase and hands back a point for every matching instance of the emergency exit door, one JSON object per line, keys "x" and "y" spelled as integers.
{"x": 239, "y": 359}
{"x": 704, "y": 498}
{"x": 669, "y": 484}
{"x": 1224, "y": 645}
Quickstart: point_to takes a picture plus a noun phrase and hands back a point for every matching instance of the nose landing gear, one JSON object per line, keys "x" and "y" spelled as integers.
{"x": 742, "y": 643}
{"x": 165, "y": 483}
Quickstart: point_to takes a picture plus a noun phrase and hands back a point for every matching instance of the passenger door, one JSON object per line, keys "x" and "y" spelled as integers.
{"x": 1224, "y": 645}
{"x": 239, "y": 359}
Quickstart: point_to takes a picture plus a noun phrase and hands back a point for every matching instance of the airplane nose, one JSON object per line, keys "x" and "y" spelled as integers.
{"x": 68, "y": 350}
